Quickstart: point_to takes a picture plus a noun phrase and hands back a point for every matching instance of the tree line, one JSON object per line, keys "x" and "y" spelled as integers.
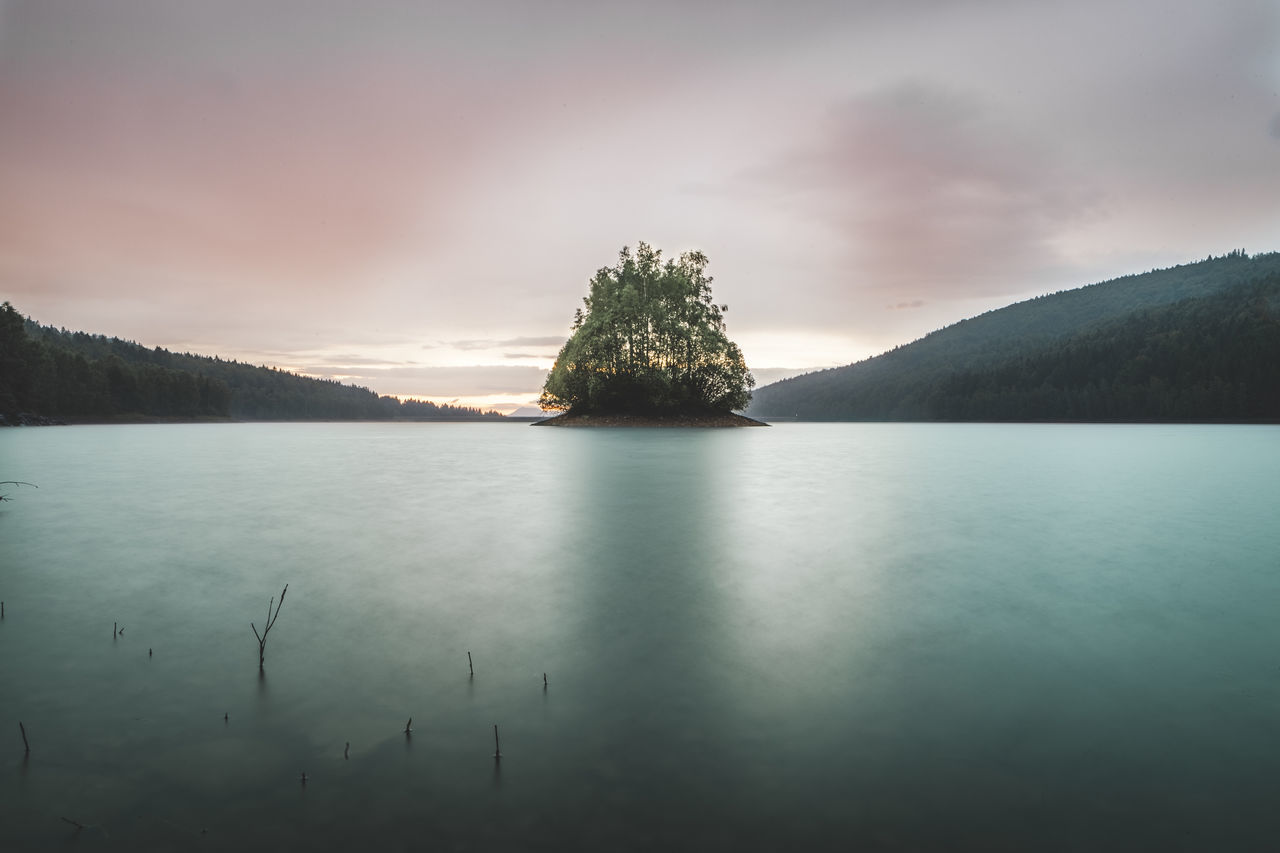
{"x": 1214, "y": 358}
{"x": 1195, "y": 342}
{"x": 61, "y": 374}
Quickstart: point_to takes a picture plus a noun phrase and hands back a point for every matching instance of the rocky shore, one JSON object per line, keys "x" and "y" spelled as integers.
{"x": 719, "y": 419}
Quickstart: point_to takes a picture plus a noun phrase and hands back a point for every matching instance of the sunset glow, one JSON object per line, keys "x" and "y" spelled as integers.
{"x": 412, "y": 196}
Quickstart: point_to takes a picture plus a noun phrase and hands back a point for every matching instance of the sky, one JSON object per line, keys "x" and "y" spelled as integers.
{"x": 412, "y": 196}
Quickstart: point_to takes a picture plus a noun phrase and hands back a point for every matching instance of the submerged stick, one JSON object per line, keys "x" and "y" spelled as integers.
{"x": 544, "y": 681}
{"x": 14, "y": 483}
{"x": 23, "y": 729}
{"x": 470, "y": 666}
{"x": 497, "y": 747}
{"x": 80, "y": 826}
{"x": 271, "y": 620}
{"x": 408, "y": 727}
{"x": 1, "y": 609}
{"x": 346, "y": 753}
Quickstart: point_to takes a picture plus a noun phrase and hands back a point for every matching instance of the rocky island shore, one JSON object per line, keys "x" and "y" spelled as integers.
{"x": 677, "y": 419}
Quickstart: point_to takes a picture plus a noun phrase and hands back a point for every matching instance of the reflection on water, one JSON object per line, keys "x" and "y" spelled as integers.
{"x": 648, "y": 529}
{"x": 866, "y": 636}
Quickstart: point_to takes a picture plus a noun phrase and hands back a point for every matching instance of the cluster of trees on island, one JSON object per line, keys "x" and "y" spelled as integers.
{"x": 651, "y": 341}
{"x": 61, "y": 374}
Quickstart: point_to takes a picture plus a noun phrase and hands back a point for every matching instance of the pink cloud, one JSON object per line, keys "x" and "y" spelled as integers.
{"x": 932, "y": 195}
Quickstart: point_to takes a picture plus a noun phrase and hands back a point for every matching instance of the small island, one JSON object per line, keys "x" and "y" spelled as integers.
{"x": 677, "y": 419}
{"x": 650, "y": 350}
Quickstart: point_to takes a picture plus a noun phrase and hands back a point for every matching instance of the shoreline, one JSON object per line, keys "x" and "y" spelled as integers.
{"x": 721, "y": 420}
{"x": 152, "y": 420}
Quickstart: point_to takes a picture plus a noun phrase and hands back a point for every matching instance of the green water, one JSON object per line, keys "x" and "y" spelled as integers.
{"x": 898, "y": 637}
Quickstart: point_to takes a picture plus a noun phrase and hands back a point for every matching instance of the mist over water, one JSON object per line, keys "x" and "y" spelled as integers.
{"x": 865, "y": 636}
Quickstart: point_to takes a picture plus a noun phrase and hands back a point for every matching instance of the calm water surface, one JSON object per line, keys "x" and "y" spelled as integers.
{"x": 892, "y": 637}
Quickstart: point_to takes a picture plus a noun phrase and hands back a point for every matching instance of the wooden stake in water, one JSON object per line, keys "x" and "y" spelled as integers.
{"x": 497, "y": 747}
{"x": 23, "y": 729}
{"x": 1, "y": 609}
{"x": 115, "y": 629}
{"x": 544, "y": 681}
{"x": 470, "y": 666}
{"x": 346, "y": 753}
{"x": 408, "y": 727}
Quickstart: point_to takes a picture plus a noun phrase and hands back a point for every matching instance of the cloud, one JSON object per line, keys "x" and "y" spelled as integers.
{"x": 423, "y": 179}
{"x": 461, "y": 381}
{"x": 932, "y": 193}
{"x": 993, "y": 160}
{"x": 547, "y": 341}
{"x": 348, "y": 360}
{"x": 498, "y": 343}
{"x": 767, "y": 375}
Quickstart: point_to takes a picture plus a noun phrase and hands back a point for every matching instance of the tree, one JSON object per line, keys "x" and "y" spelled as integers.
{"x": 651, "y": 340}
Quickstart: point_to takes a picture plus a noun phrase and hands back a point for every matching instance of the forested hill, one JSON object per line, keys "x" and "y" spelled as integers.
{"x": 54, "y": 373}
{"x": 1197, "y": 342}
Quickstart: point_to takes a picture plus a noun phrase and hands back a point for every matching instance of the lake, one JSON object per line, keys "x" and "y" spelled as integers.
{"x": 811, "y": 637}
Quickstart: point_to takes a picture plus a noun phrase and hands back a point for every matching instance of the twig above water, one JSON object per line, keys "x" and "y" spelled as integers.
{"x": 271, "y": 621}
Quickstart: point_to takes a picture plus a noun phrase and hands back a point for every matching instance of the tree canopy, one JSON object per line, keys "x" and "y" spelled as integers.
{"x": 651, "y": 340}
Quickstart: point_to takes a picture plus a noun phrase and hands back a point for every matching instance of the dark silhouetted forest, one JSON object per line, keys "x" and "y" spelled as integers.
{"x": 1198, "y": 342}
{"x": 55, "y": 373}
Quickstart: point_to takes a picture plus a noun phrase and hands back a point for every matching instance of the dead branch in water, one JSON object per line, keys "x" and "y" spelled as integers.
{"x": 79, "y": 826}
{"x": 271, "y": 620}
{"x": 14, "y": 483}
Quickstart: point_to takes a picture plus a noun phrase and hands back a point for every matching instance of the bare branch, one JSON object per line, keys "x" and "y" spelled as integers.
{"x": 271, "y": 620}
{"x": 15, "y": 483}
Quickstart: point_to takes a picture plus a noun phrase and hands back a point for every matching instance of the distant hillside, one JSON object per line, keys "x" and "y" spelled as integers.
{"x": 1198, "y": 342}
{"x": 60, "y": 374}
